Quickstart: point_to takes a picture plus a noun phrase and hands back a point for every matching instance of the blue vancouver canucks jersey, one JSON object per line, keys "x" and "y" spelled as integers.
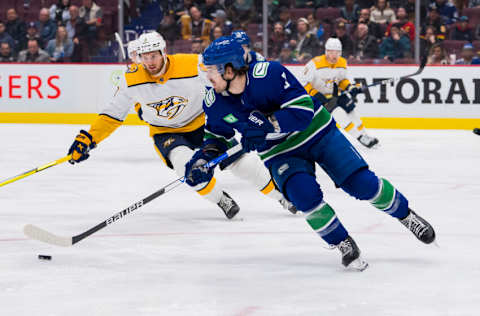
{"x": 271, "y": 89}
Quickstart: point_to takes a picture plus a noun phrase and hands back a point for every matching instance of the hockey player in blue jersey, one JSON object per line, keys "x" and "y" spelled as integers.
{"x": 242, "y": 38}
{"x": 291, "y": 133}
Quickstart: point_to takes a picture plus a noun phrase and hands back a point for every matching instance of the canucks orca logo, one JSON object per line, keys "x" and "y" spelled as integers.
{"x": 170, "y": 107}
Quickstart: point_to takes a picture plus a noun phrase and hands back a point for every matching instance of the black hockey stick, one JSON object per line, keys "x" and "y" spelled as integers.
{"x": 35, "y": 232}
{"x": 423, "y": 62}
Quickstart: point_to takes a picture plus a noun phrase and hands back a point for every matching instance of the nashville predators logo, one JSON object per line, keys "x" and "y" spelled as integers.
{"x": 170, "y": 107}
{"x": 168, "y": 142}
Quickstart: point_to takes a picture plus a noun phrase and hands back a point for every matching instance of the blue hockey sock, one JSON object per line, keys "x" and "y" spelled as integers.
{"x": 325, "y": 223}
{"x": 390, "y": 200}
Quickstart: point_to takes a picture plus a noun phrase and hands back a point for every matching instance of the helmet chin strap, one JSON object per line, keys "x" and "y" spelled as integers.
{"x": 228, "y": 82}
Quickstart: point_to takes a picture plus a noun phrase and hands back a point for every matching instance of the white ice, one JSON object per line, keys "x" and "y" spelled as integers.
{"x": 178, "y": 255}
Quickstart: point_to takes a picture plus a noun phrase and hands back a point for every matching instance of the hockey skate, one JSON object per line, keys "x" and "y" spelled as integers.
{"x": 286, "y": 204}
{"x": 419, "y": 227}
{"x": 228, "y": 206}
{"x": 351, "y": 255}
{"x": 367, "y": 141}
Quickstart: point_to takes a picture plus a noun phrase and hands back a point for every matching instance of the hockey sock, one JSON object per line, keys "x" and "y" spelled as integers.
{"x": 358, "y": 127}
{"x": 345, "y": 121}
{"x": 389, "y": 200}
{"x": 325, "y": 223}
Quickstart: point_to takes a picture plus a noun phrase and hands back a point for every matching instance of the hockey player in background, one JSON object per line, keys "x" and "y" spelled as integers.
{"x": 250, "y": 56}
{"x": 321, "y": 77}
{"x": 169, "y": 91}
{"x": 291, "y": 131}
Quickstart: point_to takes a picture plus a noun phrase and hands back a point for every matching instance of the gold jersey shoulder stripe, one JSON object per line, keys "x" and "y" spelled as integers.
{"x": 321, "y": 62}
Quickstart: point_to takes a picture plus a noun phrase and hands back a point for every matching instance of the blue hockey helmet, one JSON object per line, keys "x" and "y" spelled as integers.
{"x": 224, "y": 50}
{"x": 241, "y": 37}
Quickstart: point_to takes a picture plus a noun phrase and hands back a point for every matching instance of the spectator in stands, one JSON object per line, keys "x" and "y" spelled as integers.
{"x": 77, "y": 33}
{"x": 194, "y": 25}
{"x": 407, "y": 27}
{"x": 217, "y": 32}
{"x": 462, "y": 32}
{"x": 32, "y": 33}
{"x": 473, "y": 3}
{"x": 374, "y": 29}
{"x": 447, "y": 11}
{"x": 33, "y": 53}
{"x": 6, "y": 53}
{"x": 365, "y": 3}
{"x": 428, "y": 40}
{"x": 243, "y": 10}
{"x": 277, "y": 40}
{"x": 437, "y": 55}
{"x": 477, "y": 33}
{"x": 4, "y": 36}
{"x": 350, "y": 12}
{"x": 16, "y": 28}
{"x": 46, "y": 27}
{"x": 61, "y": 47}
{"x": 220, "y": 19}
{"x": 311, "y": 3}
{"x": 316, "y": 28}
{"x": 209, "y": 8}
{"x": 197, "y": 47}
{"x": 347, "y": 43}
{"x": 60, "y": 12}
{"x": 468, "y": 56}
{"x": 410, "y": 8}
{"x": 183, "y": 8}
{"x": 364, "y": 44}
{"x": 397, "y": 45}
{"x": 169, "y": 29}
{"x": 289, "y": 25}
{"x": 436, "y": 21}
{"x": 92, "y": 15}
{"x": 382, "y": 13}
{"x": 287, "y": 56}
{"x": 304, "y": 42}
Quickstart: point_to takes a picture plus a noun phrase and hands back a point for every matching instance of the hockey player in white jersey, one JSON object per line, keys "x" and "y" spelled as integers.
{"x": 169, "y": 91}
{"x": 321, "y": 77}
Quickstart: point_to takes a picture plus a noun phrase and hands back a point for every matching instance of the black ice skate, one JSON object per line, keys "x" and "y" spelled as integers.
{"x": 288, "y": 205}
{"x": 367, "y": 141}
{"x": 351, "y": 255}
{"x": 476, "y": 131}
{"x": 419, "y": 227}
{"x": 228, "y": 206}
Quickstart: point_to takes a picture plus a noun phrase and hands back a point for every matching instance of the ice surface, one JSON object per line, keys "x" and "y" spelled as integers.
{"x": 178, "y": 255}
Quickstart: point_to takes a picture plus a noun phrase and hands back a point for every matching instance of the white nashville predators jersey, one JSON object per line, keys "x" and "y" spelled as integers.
{"x": 170, "y": 103}
{"x": 319, "y": 75}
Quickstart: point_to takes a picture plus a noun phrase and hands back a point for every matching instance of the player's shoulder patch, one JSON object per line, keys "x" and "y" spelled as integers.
{"x": 138, "y": 77}
{"x": 209, "y": 97}
{"x": 260, "y": 69}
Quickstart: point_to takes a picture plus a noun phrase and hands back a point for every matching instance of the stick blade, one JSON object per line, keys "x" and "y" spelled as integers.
{"x": 35, "y": 232}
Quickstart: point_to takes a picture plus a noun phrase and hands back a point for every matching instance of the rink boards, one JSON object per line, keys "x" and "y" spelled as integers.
{"x": 442, "y": 97}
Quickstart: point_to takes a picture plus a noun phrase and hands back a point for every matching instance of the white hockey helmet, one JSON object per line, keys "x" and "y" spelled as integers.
{"x": 150, "y": 42}
{"x": 133, "y": 47}
{"x": 333, "y": 44}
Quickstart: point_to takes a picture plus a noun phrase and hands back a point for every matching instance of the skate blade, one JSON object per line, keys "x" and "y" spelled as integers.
{"x": 358, "y": 265}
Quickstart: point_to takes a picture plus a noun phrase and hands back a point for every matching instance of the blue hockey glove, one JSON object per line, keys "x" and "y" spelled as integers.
{"x": 195, "y": 172}
{"x": 81, "y": 147}
{"x": 255, "y": 131}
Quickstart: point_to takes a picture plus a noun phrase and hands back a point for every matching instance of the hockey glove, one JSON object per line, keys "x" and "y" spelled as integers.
{"x": 255, "y": 131}
{"x": 81, "y": 146}
{"x": 195, "y": 170}
{"x": 353, "y": 90}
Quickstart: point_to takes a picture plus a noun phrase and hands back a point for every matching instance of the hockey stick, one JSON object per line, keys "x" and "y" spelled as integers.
{"x": 35, "y": 170}
{"x": 35, "y": 232}
{"x": 423, "y": 62}
{"x": 120, "y": 46}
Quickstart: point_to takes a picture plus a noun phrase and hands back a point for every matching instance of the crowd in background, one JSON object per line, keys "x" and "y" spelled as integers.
{"x": 370, "y": 31}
